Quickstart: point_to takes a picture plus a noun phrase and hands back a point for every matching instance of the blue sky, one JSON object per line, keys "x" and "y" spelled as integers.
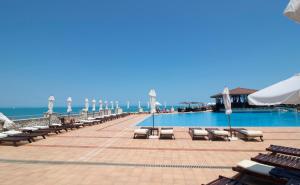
{"x": 118, "y": 49}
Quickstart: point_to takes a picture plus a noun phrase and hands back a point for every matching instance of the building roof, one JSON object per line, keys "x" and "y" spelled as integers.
{"x": 236, "y": 91}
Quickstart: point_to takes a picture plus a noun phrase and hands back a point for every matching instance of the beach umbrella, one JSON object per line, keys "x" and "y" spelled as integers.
{"x": 128, "y": 104}
{"x": 292, "y": 10}
{"x": 7, "y": 122}
{"x": 93, "y": 105}
{"x": 139, "y": 104}
{"x": 51, "y": 100}
{"x": 227, "y": 104}
{"x": 165, "y": 105}
{"x": 106, "y": 104}
{"x": 148, "y": 105}
{"x": 112, "y": 105}
{"x": 86, "y": 105}
{"x": 152, "y": 100}
{"x": 100, "y": 105}
{"x": 283, "y": 92}
{"x": 69, "y": 105}
{"x": 117, "y": 104}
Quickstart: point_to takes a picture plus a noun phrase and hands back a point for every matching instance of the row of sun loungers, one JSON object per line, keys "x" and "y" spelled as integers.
{"x": 145, "y": 132}
{"x": 30, "y": 133}
{"x": 281, "y": 166}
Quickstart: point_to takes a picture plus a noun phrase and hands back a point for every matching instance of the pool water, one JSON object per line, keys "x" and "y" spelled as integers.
{"x": 212, "y": 119}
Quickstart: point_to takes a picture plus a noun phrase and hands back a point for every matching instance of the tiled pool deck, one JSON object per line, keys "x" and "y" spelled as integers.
{"x": 107, "y": 154}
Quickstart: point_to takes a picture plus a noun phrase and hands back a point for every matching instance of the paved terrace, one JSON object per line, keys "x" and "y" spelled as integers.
{"x": 107, "y": 154}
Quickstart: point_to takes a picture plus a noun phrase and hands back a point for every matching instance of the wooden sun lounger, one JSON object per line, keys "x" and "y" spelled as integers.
{"x": 193, "y": 133}
{"x": 225, "y": 181}
{"x": 284, "y": 150}
{"x": 32, "y": 135}
{"x": 279, "y": 160}
{"x": 262, "y": 176}
{"x": 15, "y": 139}
{"x": 215, "y": 136}
{"x": 163, "y": 134}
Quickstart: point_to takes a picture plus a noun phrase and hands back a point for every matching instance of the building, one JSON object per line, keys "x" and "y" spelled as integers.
{"x": 239, "y": 98}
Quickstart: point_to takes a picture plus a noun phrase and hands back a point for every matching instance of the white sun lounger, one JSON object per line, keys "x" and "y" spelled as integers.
{"x": 141, "y": 132}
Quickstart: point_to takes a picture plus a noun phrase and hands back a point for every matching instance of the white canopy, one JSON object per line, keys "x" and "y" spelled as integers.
{"x": 284, "y": 92}
{"x": 7, "y": 122}
{"x": 139, "y": 104}
{"x": 293, "y": 10}
{"x": 152, "y": 101}
{"x": 69, "y": 104}
{"x": 128, "y": 104}
{"x": 51, "y": 104}
{"x": 117, "y": 104}
{"x": 227, "y": 101}
{"x": 106, "y": 104}
{"x": 93, "y": 105}
{"x": 86, "y": 105}
{"x": 100, "y": 105}
{"x": 112, "y": 105}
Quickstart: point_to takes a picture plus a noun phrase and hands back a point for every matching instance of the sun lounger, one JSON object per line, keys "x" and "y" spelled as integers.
{"x": 249, "y": 134}
{"x": 225, "y": 181}
{"x": 279, "y": 160}
{"x": 166, "y": 133}
{"x": 284, "y": 150}
{"x": 42, "y": 128}
{"x": 87, "y": 122}
{"x": 216, "y": 133}
{"x": 198, "y": 133}
{"x": 15, "y": 139}
{"x": 258, "y": 170}
{"x": 141, "y": 132}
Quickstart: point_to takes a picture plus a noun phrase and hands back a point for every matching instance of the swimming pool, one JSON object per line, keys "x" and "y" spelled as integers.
{"x": 212, "y": 119}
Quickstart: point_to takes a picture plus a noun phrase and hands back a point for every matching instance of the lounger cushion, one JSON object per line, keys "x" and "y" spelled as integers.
{"x": 252, "y": 132}
{"x": 3, "y": 135}
{"x": 255, "y": 167}
{"x": 56, "y": 124}
{"x": 200, "y": 132}
{"x": 166, "y": 131}
{"x": 86, "y": 121}
{"x": 78, "y": 123}
{"x": 41, "y": 127}
{"x": 90, "y": 118}
{"x": 29, "y": 128}
{"x": 220, "y": 132}
{"x": 12, "y": 132}
{"x": 141, "y": 131}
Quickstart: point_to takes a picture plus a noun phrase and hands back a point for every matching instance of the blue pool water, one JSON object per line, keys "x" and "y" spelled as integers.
{"x": 210, "y": 119}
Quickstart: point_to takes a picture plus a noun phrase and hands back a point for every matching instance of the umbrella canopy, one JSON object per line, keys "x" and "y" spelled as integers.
{"x": 106, "y": 104}
{"x": 86, "y": 105}
{"x": 227, "y": 101}
{"x": 293, "y": 10}
{"x": 284, "y": 92}
{"x": 139, "y": 104}
{"x": 117, "y": 104}
{"x": 69, "y": 105}
{"x": 148, "y": 105}
{"x": 112, "y": 105}
{"x": 157, "y": 104}
{"x": 51, "y": 100}
{"x": 7, "y": 122}
{"x": 93, "y": 105}
{"x": 128, "y": 104}
{"x": 100, "y": 105}
{"x": 152, "y": 100}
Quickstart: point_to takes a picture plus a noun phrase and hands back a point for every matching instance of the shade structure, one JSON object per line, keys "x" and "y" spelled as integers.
{"x": 152, "y": 101}
{"x": 51, "y": 100}
{"x": 112, "y": 105}
{"x": 283, "y": 92}
{"x": 93, "y": 105}
{"x": 106, "y": 105}
{"x": 7, "y": 122}
{"x": 69, "y": 105}
{"x": 227, "y": 104}
{"x": 128, "y": 104}
{"x": 227, "y": 101}
{"x": 86, "y": 105}
{"x": 293, "y": 10}
{"x": 117, "y": 104}
{"x": 100, "y": 105}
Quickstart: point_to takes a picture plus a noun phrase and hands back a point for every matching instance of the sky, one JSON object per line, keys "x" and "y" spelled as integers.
{"x": 187, "y": 50}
